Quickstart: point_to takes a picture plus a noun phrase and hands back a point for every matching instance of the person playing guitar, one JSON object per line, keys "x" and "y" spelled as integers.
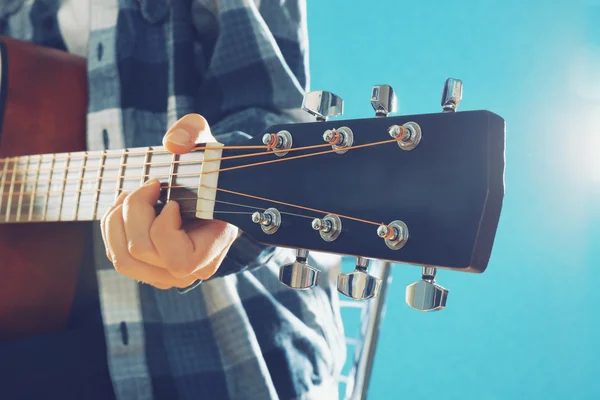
{"x": 188, "y": 310}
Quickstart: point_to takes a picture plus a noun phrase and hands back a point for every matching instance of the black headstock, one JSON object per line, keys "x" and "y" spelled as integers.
{"x": 417, "y": 189}
{"x": 448, "y": 190}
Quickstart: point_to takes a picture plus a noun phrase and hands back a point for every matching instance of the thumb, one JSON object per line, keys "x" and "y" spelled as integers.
{"x": 185, "y": 133}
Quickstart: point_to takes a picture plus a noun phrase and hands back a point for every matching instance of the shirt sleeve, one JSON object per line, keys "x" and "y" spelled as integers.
{"x": 256, "y": 77}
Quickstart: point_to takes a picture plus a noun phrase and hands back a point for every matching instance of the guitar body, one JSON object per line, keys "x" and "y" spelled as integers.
{"x": 43, "y": 97}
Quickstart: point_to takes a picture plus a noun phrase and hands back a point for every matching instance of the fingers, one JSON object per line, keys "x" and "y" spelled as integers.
{"x": 185, "y": 253}
{"x": 124, "y": 262}
{"x": 209, "y": 269}
{"x": 138, "y": 215}
{"x": 118, "y": 202}
{"x": 184, "y": 134}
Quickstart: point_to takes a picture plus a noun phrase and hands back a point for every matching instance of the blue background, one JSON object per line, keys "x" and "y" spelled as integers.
{"x": 528, "y": 328}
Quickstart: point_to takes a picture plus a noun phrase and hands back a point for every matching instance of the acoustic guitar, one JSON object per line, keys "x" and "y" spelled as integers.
{"x": 423, "y": 189}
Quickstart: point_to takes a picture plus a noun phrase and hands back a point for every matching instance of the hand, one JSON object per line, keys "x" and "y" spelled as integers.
{"x": 158, "y": 250}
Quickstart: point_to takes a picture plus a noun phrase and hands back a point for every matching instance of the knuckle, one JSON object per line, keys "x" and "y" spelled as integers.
{"x": 205, "y": 273}
{"x": 119, "y": 266}
{"x": 139, "y": 250}
{"x": 181, "y": 270}
{"x": 113, "y": 215}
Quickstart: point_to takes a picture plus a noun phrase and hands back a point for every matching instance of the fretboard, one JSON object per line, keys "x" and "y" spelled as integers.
{"x": 83, "y": 186}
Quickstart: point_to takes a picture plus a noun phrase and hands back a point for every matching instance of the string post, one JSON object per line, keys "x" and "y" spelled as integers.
{"x": 279, "y": 142}
{"x": 340, "y": 139}
{"x": 407, "y": 135}
{"x": 269, "y": 221}
{"x": 329, "y": 227}
{"x": 395, "y": 234}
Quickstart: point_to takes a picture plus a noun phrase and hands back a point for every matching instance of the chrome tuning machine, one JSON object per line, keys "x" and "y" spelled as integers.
{"x": 329, "y": 227}
{"x": 299, "y": 275}
{"x": 323, "y": 104}
{"x": 426, "y": 295}
{"x": 383, "y": 100}
{"x": 269, "y": 221}
{"x": 359, "y": 285}
{"x": 451, "y": 95}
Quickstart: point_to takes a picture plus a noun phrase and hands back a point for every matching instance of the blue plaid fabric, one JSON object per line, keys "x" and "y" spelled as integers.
{"x": 243, "y": 65}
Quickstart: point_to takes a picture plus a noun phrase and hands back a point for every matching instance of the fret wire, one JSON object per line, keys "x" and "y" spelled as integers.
{"x": 121, "y": 173}
{"x": 37, "y": 175}
{"x": 98, "y": 183}
{"x": 145, "y": 167}
{"x": 172, "y": 172}
{"x": 78, "y": 195}
{"x": 49, "y": 187}
{"x": 64, "y": 185}
{"x": 20, "y": 204}
{"x": 2, "y": 181}
{"x": 11, "y": 191}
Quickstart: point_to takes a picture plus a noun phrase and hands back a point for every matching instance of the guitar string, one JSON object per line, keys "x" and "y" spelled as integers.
{"x": 119, "y": 152}
{"x": 11, "y": 193}
{"x": 269, "y": 201}
{"x": 122, "y": 153}
{"x": 194, "y": 174}
{"x": 125, "y": 152}
{"x": 108, "y": 205}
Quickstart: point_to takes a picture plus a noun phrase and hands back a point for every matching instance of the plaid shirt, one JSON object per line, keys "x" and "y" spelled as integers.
{"x": 243, "y": 65}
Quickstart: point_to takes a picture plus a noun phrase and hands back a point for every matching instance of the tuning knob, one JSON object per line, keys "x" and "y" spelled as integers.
{"x": 299, "y": 275}
{"x": 426, "y": 295}
{"x": 451, "y": 95}
{"x": 359, "y": 285}
{"x": 323, "y": 104}
{"x": 383, "y": 100}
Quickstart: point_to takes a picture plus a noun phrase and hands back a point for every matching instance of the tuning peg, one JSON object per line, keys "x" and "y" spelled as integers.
{"x": 426, "y": 295}
{"x": 451, "y": 95}
{"x": 383, "y": 100}
{"x": 299, "y": 275}
{"x": 359, "y": 285}
{"x": 329, "y": 227}
{"x": 323, "y": 104}
{"x": 269, "y": 221}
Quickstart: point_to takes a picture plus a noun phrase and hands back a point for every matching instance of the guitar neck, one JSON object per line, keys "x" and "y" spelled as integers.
{"x": 82, "y": 186}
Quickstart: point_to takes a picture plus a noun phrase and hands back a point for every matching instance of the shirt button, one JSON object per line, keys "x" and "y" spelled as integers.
{"x": 124, "y": 333}
{"x": 100, "y": 51}
{"x": 105, "y": 138}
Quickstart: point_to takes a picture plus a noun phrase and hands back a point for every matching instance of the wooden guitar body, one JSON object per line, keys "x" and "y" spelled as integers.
{"x": 44, "y": 99}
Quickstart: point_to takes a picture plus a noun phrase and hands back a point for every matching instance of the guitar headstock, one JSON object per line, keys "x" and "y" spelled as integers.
{"x": 417, "y": 189}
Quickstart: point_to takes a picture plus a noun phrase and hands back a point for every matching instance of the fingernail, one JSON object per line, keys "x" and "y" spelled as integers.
{"x": 150, "y": 182}
{"x": 179, "y": 136}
